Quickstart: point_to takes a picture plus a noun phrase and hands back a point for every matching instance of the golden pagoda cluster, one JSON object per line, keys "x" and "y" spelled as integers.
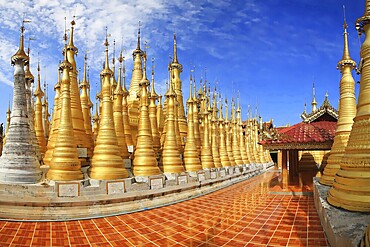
{"x": 133, "y": 126}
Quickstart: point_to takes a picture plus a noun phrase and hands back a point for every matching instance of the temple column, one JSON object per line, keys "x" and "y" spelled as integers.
{"x": 284, "y": 164}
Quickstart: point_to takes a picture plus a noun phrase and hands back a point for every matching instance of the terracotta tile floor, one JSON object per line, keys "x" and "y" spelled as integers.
{"x": 244, "y": 214}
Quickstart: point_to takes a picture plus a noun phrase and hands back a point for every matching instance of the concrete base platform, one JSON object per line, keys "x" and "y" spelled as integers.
{"x": 70, "y": 200}
{"x": 342, "y": 228}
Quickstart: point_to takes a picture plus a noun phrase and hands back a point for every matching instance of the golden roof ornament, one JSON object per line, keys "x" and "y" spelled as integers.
{"x": 107, "y": 147}
{"x": 314, "y": 102}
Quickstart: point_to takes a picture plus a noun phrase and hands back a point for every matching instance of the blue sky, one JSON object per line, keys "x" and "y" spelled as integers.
{"x": 271, "y": 51}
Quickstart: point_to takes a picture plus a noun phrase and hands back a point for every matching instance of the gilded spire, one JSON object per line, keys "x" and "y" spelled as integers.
{"x": 20, "y": 54}
{"x": 134, "y": 91}
{"x": 228, "y": 134}
{"x": 138, "y": 39}
{"x": 346, "y": 58}
{"x": 113, "y": 80}
{"x": 314, "y": 102}
{"x": 107, "y": 147}
{"x": 206, "y": 154}
{"x": 235, "y": 143}
{"x": 174, "y": 49}
{"x": 39, "y": 129}
{"x": 152, "y": 91}
{"x": 85, "y": 105}
{"x": 175, "y": 69}
{"x": 117, "y": 113}
{"x": 347, "y": 112}
{"x": 126, "y": 120}
{"x": 215, "y": 133}
{"x": 153, "y": 115}
{"x": 225, "y": 161}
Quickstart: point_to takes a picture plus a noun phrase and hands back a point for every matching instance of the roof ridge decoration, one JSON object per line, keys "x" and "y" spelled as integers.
{"x": 326, "y": 107}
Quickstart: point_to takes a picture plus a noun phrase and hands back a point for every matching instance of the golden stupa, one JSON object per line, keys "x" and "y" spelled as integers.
{"x": 347, "y": 111}
{"x": 145, "y": 160}
{"x": 351, "y": 186}
{"x": 64, "y": 164}
{"x": 191, "y": 154}
{"x": 107, "y": 162}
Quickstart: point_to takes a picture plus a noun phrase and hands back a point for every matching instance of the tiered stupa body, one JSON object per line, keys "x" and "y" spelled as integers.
{"x": 19, "y": 163}
{"x": 347, "y": 106}
{"x": 351, "y": 187}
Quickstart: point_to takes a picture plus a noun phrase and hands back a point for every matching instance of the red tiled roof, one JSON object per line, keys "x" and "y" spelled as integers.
{"x": 315, "y": 132}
